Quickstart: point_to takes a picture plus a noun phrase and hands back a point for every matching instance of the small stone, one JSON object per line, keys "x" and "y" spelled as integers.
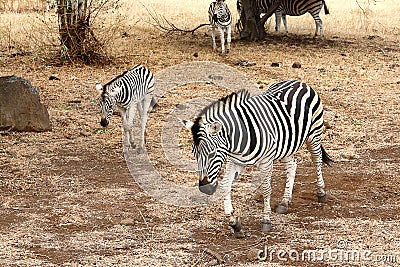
{"x": 196, "y": 54}
{"x": 127, "y": 222}
{"x": 296, "y": 65}
{"x": 275, "y": 64}
{"x": 327, "y": 125}
{"x": 54, "y": 77}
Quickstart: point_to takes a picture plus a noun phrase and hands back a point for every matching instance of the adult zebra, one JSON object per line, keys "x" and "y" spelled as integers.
{"x": 129, "y": 91}
{"x": 220, "y": 17}
{"x": 293, "y": 8}
{"x": 246, "y": 130}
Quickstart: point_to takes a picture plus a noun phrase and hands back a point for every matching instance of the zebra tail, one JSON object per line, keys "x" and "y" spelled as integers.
{"x": 326, "y": 9}
{"x": 326, "y": 158}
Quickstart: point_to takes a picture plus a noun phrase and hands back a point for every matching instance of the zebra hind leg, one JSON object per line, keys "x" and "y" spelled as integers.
{"x": 228, "y": 38}
{"x": 232, "y": 171}
{"x": 318, "y": 26}
{"x": 143, "y": 107}
{"x": 317, "y": 155}
{"x": 285, "y": 24}
{"x": 278, "y": 17}
{"x": 290, "y": 165}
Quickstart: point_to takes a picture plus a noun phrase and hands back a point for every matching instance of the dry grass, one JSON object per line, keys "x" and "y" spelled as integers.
{"x": 27, "y": 32}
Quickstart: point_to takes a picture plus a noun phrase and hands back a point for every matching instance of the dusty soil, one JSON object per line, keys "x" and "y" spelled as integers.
{"x": 68, "y": 199}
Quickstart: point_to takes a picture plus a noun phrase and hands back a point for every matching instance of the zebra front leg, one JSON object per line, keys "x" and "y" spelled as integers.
{"x": 222, "y": 37}
{"x": 214, "y": 44}
{"x": 232, "y": 171}
{"x": 266, "y": 168}
{"x": 315, "y": 148}
{"x": 143, "y": 107}
{"x": 290, "y": 165}
{"x": 128, "y": 116}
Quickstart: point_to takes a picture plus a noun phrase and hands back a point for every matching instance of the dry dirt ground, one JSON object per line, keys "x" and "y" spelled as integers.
{"x": 68, "y": 198}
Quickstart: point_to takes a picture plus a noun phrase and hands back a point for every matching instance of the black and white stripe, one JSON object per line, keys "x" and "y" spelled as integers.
{"x": 130, "y": 91}
{"x": 51, "y": 4}
{"x": 245, "y": 130}
{"x": 295, "y": 8}
{"x": 221, "y": 19}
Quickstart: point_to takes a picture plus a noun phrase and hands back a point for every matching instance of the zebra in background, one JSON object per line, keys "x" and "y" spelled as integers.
{"x": 292, "y": 8}
{"x": 51, "y": 4}
{"x": 129, "y": 91}
{"x": 297, "y": 8}
{"x": 244, "y": 130}
{"x": 220, "y": 17}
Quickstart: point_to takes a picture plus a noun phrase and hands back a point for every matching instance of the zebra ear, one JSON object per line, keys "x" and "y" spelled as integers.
{"x": 188, "y": 124}
{"x": 115, "y": 91}
{"x": 99, "y": 88}
{"x": 214, "y": 128}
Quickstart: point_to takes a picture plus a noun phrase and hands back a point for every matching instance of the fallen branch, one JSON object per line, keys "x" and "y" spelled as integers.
{"x": 5, "y": 129}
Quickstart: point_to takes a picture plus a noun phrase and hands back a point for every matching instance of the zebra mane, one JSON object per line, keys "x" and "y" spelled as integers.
{"x": 120, "y": 76}
{"x": 233, "y": 100}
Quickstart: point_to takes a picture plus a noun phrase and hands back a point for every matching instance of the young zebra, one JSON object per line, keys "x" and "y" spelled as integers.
{"x": 129, "y": 91}
{"x": 295, "y": 8}
{"x": 246, "y": 130}
{"x": 220, "y": 17}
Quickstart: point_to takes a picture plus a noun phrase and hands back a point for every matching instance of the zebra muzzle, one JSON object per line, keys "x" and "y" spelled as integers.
{"x": 208, "y": 188}
{"x": 104, "y": 122}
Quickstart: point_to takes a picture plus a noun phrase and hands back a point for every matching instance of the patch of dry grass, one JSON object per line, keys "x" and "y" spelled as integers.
{"x": 348, "y": 18}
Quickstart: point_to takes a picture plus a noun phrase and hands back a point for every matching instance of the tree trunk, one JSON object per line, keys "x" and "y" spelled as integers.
{"x": 74, "y": 30}
{"x": 250, "y": 23}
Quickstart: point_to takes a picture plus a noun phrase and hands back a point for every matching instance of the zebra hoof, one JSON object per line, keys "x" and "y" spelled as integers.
{"x": 322, "y": 198}
{"x": 236, "y": 224}
{"x": 266, "y": 226}
{"x": 238, "y": 234}
{"x": 282, "y": 209}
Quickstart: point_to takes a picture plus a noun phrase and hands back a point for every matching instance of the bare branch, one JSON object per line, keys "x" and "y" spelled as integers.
{"x": 163, "y": 24}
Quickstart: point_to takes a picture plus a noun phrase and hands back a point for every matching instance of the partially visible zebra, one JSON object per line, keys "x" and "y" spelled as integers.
{"x": 244, "y": 130}
{"x": 51, "y": 4}
{"x": 129, "y": 91}
{"x": 293, "y": 8}
{"x": 220, "y": 17}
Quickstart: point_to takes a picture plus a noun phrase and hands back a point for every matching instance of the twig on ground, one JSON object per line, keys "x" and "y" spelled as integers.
{"x": 214, "y": 254}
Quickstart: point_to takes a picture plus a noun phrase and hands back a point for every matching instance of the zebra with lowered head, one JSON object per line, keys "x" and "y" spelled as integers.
{"x": 220, "y": 18}
{"x": 130, "y": 91}
{"x": 293, "y": 8}
{"x": 244, "y": 130}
